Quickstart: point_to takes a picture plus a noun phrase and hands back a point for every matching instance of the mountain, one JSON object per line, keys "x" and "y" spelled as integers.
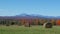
{"x": 29, "y": 16}
{"x": 35, "y": 16}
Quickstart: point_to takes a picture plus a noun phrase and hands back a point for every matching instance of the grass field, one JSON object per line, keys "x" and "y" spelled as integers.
{"x": 28, "y": 30}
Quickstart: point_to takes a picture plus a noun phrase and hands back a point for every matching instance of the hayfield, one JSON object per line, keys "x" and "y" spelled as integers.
{"x": 29, "y": 30}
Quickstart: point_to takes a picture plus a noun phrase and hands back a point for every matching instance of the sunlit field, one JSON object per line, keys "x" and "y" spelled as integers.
{"x": 29, "y": 30}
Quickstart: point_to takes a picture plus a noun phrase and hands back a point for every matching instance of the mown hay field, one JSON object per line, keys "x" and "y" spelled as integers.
{"x": 29, "y": 30}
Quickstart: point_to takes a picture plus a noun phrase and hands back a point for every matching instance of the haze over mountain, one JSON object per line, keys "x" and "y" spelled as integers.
{"x": 41, "y": 7}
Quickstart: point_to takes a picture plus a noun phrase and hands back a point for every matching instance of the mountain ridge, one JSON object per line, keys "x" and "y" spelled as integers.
{"x": 28, "y": 16}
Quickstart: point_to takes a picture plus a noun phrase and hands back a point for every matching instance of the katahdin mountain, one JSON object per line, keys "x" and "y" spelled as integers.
{"x": 33, "y": 16}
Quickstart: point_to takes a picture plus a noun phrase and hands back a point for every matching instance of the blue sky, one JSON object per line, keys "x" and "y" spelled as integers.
{"x": 40, "y": 7}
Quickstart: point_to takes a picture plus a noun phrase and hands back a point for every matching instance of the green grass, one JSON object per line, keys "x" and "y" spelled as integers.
{"x": 29, "y": 30}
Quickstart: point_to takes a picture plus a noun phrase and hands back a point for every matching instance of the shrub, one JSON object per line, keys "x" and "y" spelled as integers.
{"x": 47, "y": 25}
{"x": 27, "y": 25}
